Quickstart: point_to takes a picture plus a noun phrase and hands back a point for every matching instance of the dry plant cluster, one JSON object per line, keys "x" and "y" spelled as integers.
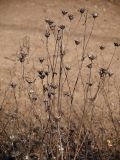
{"x": 55, "y": 111}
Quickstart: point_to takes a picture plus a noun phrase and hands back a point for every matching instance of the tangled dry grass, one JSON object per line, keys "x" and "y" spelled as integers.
{"x": 57, "y": 111}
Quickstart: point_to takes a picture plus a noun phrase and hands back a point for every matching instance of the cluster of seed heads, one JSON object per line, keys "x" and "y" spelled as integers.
{"x": 53, "y": 86}
{"x": 103, "y": 72}
{"x": 49, "y": 87}
{"x": 70, "y": 16}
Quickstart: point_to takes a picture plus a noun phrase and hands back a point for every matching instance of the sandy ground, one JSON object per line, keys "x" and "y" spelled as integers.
{"x": 19, "y": 18}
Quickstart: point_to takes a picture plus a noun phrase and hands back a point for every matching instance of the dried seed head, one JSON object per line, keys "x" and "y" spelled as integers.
{"x": 89, "y": 65}
{"x": 57, "y": 118}
{"x": 46, "y": 101}
{"x": 116, "y": 44}
{"x": 103, "y": 72}
{"x": 102, "y": 47}
{"x": 51, "y": 93}
{"x": 31, "y": 91}
{"x": 49, "y": 22}
{"x": 41, "y": 74}
{"x": 63, "y": 53}
{"x": 52, "y": 27}
{"x": 13, "y": 137}
{"x": 95, "y": 15}
{"x": 47, "y": 34}
{"x": 13, "y": 85}
{"x": 90, "y": 84}
{"x": 45, "y": 88}
{"x": 91, "y": 57}
{"x": 47, "y": 105}
{"x": 46, "y": 73}
{"x": 66, "y": 93}
{"x": 82, "y": 10}
{"x": 62, "y": 27}
{"x": 77, "y": 42}
{"x": 53, "y": 86}
{"x": 64, "y": 12}
{"x": 22, "y": 55}
{"x": 54, "y": 73}
{"x": 27, "y": 157}
{"x": 58, "y": 37}
{"x": 29, "y": 81}
{"x": 34, "y": 97}
{"x": 67, "y": 68}
{"x": 41, "y": 59}
{"x": 110, "y": 74}
{"x": 71, "y": 17}
{"x": 109, "y": 143}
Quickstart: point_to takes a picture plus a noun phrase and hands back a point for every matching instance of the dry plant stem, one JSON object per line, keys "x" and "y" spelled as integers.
{"x": 85, "y": 44}
{"x": 23, "y": 70}
{"x": 56, "y": 58}
{"x": 14, "y": 92}
{"x": 89, "y": 81}
{"x": 71, "y": 33}
{"x": 79, "y": 72}
{"x": 110, "y": 111}
{"x": 112, "y": 58}
{"x": 89, "y": 35}
{"x": 77, "y": 25}
{"x": 60, "y": 76}
{"x": 4, "y": 127}
{"x": 60, "y": 141}
{"x": 67, "y": 39}
{"x": 83, "y": 52}
{"x": 82, "y": 118}
{"x": 66, "y": 75}
{"x": 48, "y": 54}
{"x": 118, "y": 95}
{"x": 103, "y": 60}
{"x": 55, "y": 50}
{"x": 82, "y": 59}
{"x": 4, "y": 97}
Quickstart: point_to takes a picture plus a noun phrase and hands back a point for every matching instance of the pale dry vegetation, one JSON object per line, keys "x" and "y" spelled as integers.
{"x": 58, "y": 109}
